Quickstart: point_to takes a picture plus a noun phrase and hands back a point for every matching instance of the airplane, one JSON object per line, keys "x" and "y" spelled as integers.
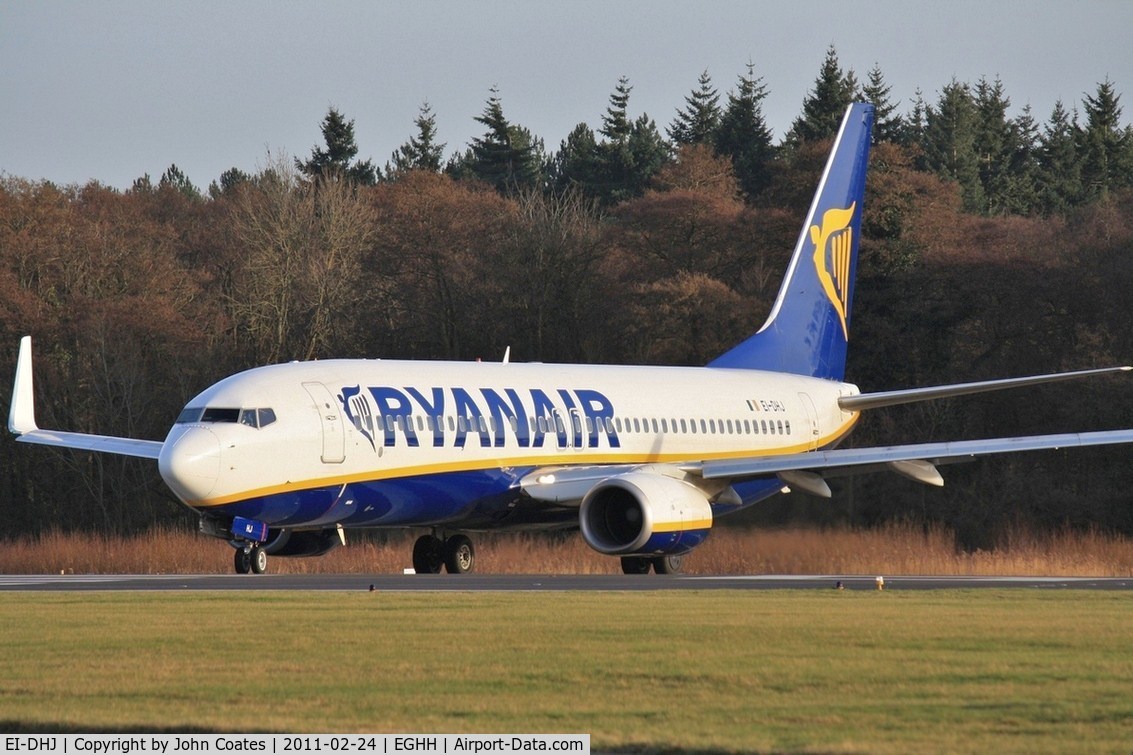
{"x": 282, "y": 459}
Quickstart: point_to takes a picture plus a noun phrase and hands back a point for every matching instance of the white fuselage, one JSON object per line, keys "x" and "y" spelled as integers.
{"x": 279, "y": 433}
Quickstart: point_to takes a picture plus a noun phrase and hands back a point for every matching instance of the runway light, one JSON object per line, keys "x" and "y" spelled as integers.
{"x": 880, "y": 583}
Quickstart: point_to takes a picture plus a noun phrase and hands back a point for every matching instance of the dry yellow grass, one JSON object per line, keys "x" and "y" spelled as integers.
{"x": 892, "y": 550}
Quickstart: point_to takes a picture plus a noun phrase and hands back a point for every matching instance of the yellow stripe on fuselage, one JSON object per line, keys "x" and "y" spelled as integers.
{"x": 570, "y": 458}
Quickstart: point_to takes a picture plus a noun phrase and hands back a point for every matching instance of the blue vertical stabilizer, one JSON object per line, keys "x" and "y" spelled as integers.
{"x": 807, "y": 330}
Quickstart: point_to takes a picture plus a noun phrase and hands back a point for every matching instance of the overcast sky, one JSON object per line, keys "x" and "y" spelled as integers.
{"x": 116, "y": 89}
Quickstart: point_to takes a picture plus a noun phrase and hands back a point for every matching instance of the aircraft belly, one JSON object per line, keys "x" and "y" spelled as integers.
{"x": 477, "y": 497}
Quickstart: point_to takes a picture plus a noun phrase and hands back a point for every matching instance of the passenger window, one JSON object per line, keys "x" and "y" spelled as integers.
{"x": 684, "y": 427}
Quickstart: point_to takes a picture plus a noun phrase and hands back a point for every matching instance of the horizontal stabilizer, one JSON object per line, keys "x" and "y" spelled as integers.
{"x": 865, "y": 401}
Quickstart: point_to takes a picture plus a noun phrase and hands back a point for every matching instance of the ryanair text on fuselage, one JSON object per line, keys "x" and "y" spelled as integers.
{"x": 575, "y": 418}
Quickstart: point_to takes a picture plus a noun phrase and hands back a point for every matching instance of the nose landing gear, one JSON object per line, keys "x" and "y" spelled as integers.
{"x": 250, "y": 559}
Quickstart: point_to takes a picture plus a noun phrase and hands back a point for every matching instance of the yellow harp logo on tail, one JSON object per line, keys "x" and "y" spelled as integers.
{"x": 833, "y": 243}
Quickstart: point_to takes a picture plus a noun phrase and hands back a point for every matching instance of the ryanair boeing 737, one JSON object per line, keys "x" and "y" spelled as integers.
{"x": 282, "y": 459}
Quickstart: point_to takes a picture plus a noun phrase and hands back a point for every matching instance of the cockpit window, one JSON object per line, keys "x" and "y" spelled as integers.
{"x": 189, "y": 415}
{"x": 250, "y": 417}
{"x": 257, "y": 417}
{"x": 214, "y": 414}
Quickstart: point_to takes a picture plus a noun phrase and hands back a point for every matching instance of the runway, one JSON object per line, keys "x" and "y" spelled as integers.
{"x": 532, "y": 583}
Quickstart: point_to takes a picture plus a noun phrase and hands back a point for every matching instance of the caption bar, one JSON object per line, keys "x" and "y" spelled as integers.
{"x": 281, "y": 744}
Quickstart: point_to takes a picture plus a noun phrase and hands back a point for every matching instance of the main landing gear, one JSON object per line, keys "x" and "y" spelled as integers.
{"x": 660, "y": 564}
{"x": 455, "y": 554}
{"x": 251, "y": 559}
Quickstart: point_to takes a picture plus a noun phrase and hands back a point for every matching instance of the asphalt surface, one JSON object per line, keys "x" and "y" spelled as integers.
{"x": 532, "y": 583}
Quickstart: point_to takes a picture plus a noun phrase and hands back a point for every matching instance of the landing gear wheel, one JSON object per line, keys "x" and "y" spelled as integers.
{"x": 667, "y": 564}
{"x": 258, "y": 559}
{"x": 428, "y": 555}
{"x": 635, "y": 565}
{"x": 242, "y": 561}
{"x": 460, "y": 556}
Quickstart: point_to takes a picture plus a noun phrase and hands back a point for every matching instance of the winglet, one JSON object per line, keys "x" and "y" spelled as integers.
{"x": 21, "y": 417}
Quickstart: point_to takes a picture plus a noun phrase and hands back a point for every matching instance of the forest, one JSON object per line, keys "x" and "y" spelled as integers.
{"x": 993, "y": 246}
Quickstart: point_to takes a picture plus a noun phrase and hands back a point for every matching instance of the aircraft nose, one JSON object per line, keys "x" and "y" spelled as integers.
{"x": 190, "y": 465}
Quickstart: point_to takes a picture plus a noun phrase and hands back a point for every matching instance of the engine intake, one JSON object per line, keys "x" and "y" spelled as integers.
{"x": 644, "y": 513}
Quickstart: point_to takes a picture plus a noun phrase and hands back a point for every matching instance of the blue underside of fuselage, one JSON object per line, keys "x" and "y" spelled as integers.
{"x": 473, "y": 500}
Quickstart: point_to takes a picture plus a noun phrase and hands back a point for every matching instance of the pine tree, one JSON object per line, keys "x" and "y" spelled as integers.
{"x": 335, "y": 159}
{"x": 507, "y": 157}
{"x": 615, "y": 122}
{"x": 699, "y": 121}
{"x": 229, "y": 180}
{"x": 744, "y": 135}
{"x": 175, "y": 178}
{"x": 1021, "y": 194}
{"x": 577, "y": 163}
{"x": 421, "y": 152}
{"x": 992, "y": 141}
{"x": 824, "y": 107}
{"x": 1060, "y": 171}
{"x": 949, "y": 142}
{"x": 913, "y": 131}
{"x": 888, "y": 125}
{"x": 1105, "y": 146}
{"x": 632, "y": 151}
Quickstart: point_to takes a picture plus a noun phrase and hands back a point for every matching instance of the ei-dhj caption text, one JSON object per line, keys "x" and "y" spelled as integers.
{"x": 287, "y": 744}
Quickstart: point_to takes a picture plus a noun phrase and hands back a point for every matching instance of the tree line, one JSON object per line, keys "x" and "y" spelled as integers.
{"x": 624, "y": 246}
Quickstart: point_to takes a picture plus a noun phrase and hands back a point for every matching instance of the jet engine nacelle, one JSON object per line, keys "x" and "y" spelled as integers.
{"x": 302, "y": 543}
{"x": 644, "y": 513}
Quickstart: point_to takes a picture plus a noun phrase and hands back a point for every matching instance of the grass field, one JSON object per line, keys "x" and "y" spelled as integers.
{"x": 710, "y": 672}
{"x": 896, "y": 549}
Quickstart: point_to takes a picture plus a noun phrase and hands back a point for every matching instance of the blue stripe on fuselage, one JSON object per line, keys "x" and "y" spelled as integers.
{"x": 479, "y": 497}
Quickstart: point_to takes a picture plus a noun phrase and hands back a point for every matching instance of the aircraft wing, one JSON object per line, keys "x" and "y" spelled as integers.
{"x": 145, "y": 449}
{"x": 916, "y": 460}
{"x": 21, "y": 421}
